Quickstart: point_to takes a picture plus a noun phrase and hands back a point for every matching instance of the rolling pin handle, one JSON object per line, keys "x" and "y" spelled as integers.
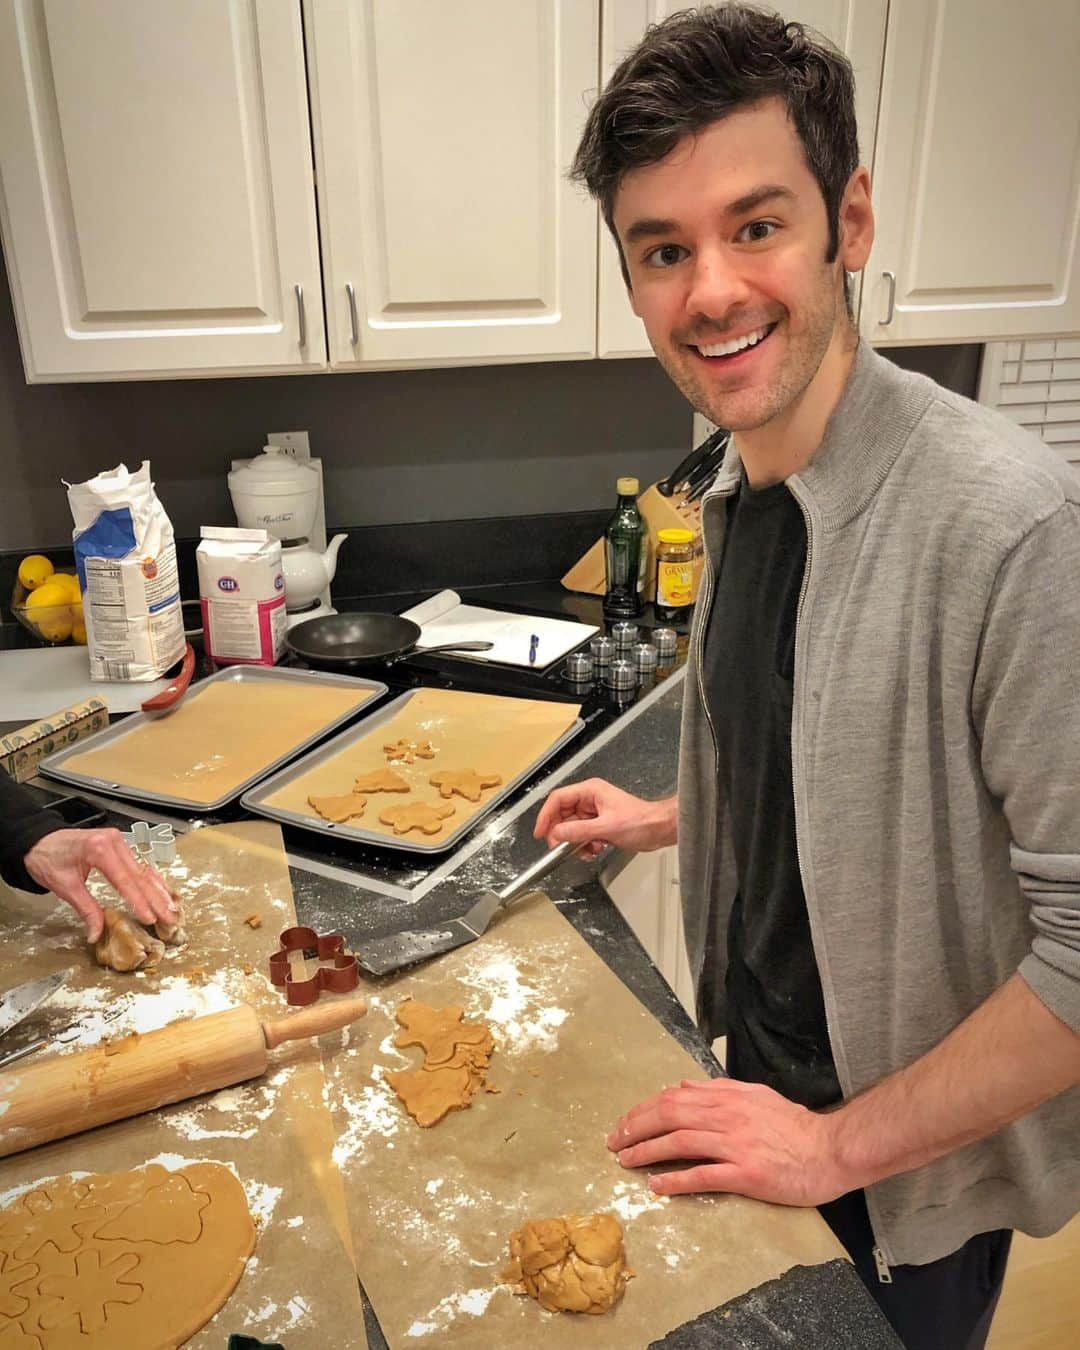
{"x": 313, "y": 1021}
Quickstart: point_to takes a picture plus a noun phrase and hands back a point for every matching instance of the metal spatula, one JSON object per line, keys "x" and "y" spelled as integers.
{"x": 387, "y": 954}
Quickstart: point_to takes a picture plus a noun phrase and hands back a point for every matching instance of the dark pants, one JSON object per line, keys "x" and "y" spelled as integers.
{"x": 944, "y": 1305}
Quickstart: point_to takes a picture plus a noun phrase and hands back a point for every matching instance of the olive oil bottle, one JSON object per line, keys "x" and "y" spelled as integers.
{"x": 626, "y": 544}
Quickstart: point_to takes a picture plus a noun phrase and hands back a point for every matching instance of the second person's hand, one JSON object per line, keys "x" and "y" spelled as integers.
{"x": 596, "y": 813}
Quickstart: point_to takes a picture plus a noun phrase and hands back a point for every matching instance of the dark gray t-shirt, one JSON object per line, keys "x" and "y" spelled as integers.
{"x": 777, "y": 1032}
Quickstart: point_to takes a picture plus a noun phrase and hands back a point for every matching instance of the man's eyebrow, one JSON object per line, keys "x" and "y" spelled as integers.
{"x": 653, "y": 227}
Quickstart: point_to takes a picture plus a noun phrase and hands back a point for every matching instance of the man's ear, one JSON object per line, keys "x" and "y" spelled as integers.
{"x": 856, "y": 221}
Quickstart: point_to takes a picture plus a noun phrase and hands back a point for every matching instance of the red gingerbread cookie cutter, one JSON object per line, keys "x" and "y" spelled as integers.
{"x": 339, "y": 978}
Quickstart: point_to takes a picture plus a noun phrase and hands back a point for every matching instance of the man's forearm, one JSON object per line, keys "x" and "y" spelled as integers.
{"x": 1010, "y": 1055}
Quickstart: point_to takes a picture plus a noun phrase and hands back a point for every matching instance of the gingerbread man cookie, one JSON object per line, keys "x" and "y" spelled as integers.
{"x": 380, "y": 780}
{"x": 408, "y": 751}
{"x": 339, "y": 808}
{"x": 416, "y": 816}
{"x": 465, "y": 782}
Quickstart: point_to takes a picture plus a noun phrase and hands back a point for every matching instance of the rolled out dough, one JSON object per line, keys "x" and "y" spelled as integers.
{"x": 138, "y": 1259}
{"x": 456, "y": 1058}
{"x": 569, "y": 1265}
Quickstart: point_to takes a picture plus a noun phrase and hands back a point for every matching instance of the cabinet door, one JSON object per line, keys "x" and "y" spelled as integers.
{"x": 977, "y": 190}
{"x": 856, "y": 26}
{"x": 158, "y": 210}
{"x": 645, "y": 891}
{"x": 451, "y": 235}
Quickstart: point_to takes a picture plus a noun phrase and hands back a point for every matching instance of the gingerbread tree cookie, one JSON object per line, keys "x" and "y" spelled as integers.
{"x": 420, "y": 816}
{"x": 465, "y": 782}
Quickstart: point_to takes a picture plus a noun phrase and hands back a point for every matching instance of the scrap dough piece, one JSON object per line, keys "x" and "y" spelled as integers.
{"x": 138, "y": 1259}
{"x": 569, "y": 1265}
{"x": 339, "y": 808}
{"x": 416, "y": 816}
{"x": 408, "y": 751}
{"x": 126, "y": 945}
{"x": 380, "y": 780}
{"x": 465, "y": 782}
{"x": 456, "y": 1059}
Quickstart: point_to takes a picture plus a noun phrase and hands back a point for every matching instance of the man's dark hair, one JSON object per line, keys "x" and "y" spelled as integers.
{"x": 701, "y": 64}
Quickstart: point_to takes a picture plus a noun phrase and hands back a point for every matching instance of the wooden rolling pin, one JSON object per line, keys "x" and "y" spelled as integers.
{"x": 66, "y": 1094}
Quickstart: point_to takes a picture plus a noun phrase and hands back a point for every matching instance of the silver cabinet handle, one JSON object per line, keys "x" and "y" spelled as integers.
{"x": 890, "y": 277}
{"x": 300, "y": 314}
{"x": 352, "y": 313}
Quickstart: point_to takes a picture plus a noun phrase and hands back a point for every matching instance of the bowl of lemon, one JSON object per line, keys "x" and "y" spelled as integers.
{"x": 48, "y": 603}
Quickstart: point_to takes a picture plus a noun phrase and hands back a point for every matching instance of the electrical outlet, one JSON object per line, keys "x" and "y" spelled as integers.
{"x": 294, "y": 443}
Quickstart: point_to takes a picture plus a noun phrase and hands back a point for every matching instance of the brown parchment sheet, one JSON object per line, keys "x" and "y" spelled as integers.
{"x": 299, "y": 1286}
{"x": 213, "y": 742}
{"x": 432, "y": 1208}
{"x": 483, "y": 732}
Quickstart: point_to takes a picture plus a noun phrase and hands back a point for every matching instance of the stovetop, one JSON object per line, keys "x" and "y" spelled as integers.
{"x": 410, "y": 875}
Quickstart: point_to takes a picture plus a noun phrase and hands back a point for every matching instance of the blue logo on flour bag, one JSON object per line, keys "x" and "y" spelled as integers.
{"x": 112, "y": 535}
{"x": 228, "y": 584}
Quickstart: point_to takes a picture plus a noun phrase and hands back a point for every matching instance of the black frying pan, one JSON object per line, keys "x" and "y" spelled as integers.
{"x": 341, "y": 641}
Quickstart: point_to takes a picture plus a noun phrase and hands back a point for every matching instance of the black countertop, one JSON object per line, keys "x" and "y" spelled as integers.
{"x": 817, "y": 1308}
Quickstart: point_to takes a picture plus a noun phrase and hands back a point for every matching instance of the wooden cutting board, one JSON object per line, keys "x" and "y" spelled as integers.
{"x": 432, "y": 1208}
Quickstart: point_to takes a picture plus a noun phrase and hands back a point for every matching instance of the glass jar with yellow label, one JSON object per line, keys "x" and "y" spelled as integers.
{"x": 674, "y": 574}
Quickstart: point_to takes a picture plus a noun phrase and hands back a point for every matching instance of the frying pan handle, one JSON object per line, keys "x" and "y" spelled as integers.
{"x": 175, "y": 690}
{"x": 475, "y": 646}
{"x": 544, "y": 866}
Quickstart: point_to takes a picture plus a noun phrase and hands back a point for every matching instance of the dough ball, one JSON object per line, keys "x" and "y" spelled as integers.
{"x": 573, "y": 1264}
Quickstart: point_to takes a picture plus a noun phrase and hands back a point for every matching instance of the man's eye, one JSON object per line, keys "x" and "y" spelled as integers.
{"x": 667, "y": 255}
{"x": 758, "y": 230}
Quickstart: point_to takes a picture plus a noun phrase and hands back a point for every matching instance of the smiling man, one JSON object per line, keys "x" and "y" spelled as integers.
{"x": 879, "y": 799}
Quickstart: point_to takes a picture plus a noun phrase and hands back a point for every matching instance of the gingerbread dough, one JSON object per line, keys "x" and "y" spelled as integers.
{"x": 407, "y": 751}
{"x": 466, "y": 783}
{"x": 126, "y": 945}
{"x": 138, "y": 1259}
{"x": 339, "y": 808}
{"x": 380, "y": 780}
{"x": 456, "y": 1058}
{"x": 416, "y": 816}
{"x": 569, "y": 1265}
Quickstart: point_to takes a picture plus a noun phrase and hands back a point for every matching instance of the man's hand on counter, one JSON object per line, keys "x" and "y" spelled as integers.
{"x": 750, "y": 1140}
{"x": 598, "y": 813}
{"x": 62, "y": 860}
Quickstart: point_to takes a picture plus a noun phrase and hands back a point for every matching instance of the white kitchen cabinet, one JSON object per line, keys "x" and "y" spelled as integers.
{"x": 977, "y": 174}
{"x": 443, "y": 132}
{"x": 157, "y": 203}
{"x": 645, "y": 890}
{"x": 856, "y": 26}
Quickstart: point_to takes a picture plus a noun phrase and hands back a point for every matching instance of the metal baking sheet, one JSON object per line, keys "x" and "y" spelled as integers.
{"x": 54, "y": 766}
{"x": 255, "y": 799}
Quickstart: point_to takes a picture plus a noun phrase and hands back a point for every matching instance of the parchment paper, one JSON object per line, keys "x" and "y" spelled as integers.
{"x": 299, "y": 1286}
{"x": 432, "y": 1208}
{"x": 216, "y": 739}
{"x": 484, "y": 732}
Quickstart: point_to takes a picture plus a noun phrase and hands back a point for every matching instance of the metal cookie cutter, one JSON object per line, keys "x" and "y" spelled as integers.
{"x": 338, "y": 978}
{"x": 154, "y": 842}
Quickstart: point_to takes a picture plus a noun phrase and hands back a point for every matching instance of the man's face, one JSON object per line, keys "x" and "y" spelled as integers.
{"x": 725, "y": 242}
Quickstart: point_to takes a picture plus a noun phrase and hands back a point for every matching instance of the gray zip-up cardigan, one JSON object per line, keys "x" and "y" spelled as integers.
{"x": 936, "y": 768}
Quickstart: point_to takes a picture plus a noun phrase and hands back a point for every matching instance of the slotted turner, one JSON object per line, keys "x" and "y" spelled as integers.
{"x": 387, "y": 954}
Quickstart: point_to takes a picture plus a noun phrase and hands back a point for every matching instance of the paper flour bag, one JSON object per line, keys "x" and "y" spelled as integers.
{"x": 126, "y": 561}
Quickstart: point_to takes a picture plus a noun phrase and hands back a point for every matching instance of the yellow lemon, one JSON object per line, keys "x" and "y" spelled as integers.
{"x": 34, "y": 570}
{"x": 50, "y": 593}
{"x": 70, "y": 582}
{"x": 78, "y": 632}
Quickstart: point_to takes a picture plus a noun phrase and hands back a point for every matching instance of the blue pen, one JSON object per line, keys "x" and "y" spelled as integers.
{"x": 534, "y": 642}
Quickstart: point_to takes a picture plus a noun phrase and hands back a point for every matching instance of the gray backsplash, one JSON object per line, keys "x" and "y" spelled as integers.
{"x": 397, "y": 446}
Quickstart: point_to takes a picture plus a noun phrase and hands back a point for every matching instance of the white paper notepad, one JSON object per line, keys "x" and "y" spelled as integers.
{"x": 444, "y": 618}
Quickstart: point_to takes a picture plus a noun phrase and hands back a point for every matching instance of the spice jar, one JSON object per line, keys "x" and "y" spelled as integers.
{"x": 674, "y": 574}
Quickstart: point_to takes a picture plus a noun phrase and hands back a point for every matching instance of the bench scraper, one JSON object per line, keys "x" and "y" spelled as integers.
{"x": 387, "y": 954}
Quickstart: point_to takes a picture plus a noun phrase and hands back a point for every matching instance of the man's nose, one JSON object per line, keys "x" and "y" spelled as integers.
{"x": 717, "y": 285}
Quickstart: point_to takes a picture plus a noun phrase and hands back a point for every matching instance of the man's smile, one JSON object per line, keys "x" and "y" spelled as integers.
{"x": 731, "y": 350}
